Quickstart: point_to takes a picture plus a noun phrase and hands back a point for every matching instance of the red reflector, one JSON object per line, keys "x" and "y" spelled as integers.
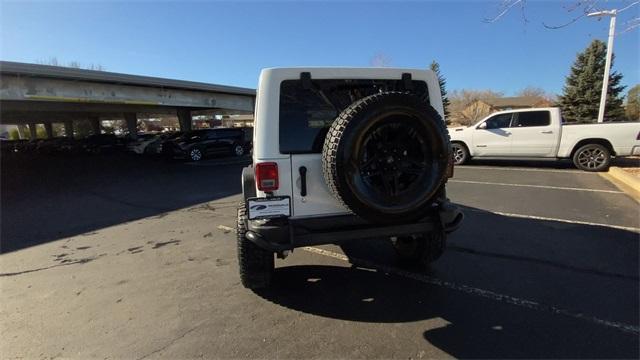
{"x": 267, "y": 176}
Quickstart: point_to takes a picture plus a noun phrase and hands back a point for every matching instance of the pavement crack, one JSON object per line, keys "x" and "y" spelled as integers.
{"x": 171, "y": 342}
{"x": 74, "y": 262}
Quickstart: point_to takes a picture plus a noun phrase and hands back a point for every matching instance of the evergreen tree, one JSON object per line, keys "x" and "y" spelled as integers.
{"x": 443, "y": 82}
{"x": 581, "y": 98}
{"x": 633, "y": 104}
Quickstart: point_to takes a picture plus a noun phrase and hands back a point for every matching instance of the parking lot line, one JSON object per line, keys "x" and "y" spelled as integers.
{"x": 523, "y": 216}
{"x": 522, "y": 169}
{"x": 488, "y": 294}
{"x": 535, "y": 186}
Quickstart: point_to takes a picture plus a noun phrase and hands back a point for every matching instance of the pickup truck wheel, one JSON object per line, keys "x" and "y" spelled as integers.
{"x": 460, "y": 153}
{"x": 592, "y": 157}
{"x": 385, "y": 157}
{"x": 256, "y": 264}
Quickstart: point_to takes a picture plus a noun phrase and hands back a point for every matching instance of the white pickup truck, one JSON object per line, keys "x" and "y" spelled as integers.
{"x": 540, "y": 134}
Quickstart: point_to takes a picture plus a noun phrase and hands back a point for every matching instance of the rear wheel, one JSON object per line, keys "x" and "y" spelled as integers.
{"x": 256, "y": 264}
{"x": 238, "y": 150}
{"x": 420, "y": 249}
{"x": 196, "y": 154}
{"x": 592, "y": 157}
{"x": 460, "y": 153}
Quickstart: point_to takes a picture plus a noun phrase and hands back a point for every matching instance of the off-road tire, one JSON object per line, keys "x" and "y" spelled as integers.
{"x": 352, "y": 124}
{"x": 600, "y": 164}
{"x": 435, "y": 246}
{"x": 256, "y": 264}
{"x": 420, "y": 250}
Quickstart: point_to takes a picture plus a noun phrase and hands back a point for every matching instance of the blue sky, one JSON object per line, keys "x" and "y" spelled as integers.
{"x": 229, "y": 42}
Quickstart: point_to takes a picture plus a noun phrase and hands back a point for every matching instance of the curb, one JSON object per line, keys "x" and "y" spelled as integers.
{"x": 625, "y": 182}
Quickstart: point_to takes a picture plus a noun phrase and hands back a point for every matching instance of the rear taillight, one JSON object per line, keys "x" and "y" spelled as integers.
{"x": 638, "y": 137}
{"x": 267, "y": 176}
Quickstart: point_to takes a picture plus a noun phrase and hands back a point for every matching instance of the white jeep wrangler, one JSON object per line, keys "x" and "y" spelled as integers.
{"x": 345, "y": 153}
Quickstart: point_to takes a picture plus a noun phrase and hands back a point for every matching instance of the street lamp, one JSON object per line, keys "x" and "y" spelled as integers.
{"x": 607, "y": 66}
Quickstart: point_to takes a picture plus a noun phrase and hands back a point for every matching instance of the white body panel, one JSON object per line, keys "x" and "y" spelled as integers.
{"x": 552, "y": 141}
{"x": 318, "y": 202}
{"x": 492, "y": 142}
{"x": 535, "y": 141}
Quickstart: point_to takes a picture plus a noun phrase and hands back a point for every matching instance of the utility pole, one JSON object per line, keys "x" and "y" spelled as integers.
{"x": 607, "y": 66}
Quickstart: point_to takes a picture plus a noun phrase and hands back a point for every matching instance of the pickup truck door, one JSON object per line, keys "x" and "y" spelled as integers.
{"x": 533, "y": 134}
{"x": 492, "y": 137}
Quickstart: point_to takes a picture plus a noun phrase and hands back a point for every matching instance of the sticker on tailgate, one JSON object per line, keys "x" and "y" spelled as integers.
{"x": 271, "y": 207}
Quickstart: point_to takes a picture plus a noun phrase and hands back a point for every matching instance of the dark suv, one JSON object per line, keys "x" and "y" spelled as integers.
{"x": 197, "y": 144}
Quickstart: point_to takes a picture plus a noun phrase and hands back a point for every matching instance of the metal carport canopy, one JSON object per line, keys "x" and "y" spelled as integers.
{"x": 32, "y": 91}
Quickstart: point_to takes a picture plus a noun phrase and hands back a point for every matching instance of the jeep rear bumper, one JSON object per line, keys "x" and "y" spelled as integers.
{"x": 279, "y": 235}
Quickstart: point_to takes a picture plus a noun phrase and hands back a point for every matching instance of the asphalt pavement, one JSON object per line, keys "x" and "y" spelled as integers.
{"x": 131, "y": 258}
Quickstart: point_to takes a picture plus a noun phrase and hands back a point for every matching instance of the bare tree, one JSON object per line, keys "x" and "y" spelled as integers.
{"x": 536, "y": 92}
{"x": 53, "y": 61}
{"x": 466, "y": 108}
{"x": 575, "y": 10}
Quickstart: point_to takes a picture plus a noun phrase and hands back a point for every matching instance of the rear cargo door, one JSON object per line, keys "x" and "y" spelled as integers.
{"x": 314, "y": 198}
{"x": 305, "y": 117}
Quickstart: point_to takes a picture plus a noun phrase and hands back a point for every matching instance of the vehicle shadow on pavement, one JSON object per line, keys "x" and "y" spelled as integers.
{"x": 46, "y": 198}
{"x": 469, "y": 326}
{"x": 477, "y": 293}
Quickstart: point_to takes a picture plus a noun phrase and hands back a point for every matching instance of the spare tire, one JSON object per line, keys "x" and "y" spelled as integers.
{"x": 385, "y": 157}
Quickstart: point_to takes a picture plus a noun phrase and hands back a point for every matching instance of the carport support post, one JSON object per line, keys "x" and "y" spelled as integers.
{"x": 95, "y": 125}
{"x": 132, "y": 124}
{"x": 48, "y": 127}
{"x": 32, "y": 132}
{"x": 68, "y": 129}
{"x": 184, "y": 117}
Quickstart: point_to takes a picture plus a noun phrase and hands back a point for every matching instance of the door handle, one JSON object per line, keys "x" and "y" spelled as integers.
{"x": 547, "y": 132}
{"x": 303, "y": 180}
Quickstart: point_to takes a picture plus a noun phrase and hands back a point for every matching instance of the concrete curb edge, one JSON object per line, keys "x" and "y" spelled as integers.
{"x": 624, "y": 181}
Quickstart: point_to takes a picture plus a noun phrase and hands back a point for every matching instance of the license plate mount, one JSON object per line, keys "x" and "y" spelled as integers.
{"x": 268, "y": 207}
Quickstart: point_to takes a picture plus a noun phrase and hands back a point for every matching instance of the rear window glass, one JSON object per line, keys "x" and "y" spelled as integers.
{"x": 532, "y": 118}
{"x": 306, "y": 114}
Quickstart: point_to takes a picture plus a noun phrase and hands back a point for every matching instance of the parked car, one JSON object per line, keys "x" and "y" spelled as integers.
{"x": 57, "y": 145}
{"x": 155, "y": 146}
{"x": 141, "y": 142}
{"x": 198, "y": 144}
{"x": 345, "y": 154}
{"x": 101, "y": 143}
{"x": 13, "y": 146}
{"x": 540, "y": 133}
